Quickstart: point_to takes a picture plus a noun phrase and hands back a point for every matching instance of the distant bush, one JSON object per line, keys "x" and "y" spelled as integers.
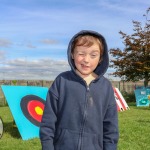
{"x": 14, "y": 82}
{"x": 129, "y": 97}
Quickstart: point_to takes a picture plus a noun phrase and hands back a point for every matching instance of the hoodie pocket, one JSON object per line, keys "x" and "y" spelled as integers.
{"x": 91, "y": 142}
{"x": 67, "y": 140}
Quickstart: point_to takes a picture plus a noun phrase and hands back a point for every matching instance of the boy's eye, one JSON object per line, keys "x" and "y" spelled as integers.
{"x": 94, "y": 55}
{"x": 81, "y": 54}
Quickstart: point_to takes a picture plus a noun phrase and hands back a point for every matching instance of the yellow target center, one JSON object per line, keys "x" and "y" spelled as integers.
{"x": 38, "y": 110}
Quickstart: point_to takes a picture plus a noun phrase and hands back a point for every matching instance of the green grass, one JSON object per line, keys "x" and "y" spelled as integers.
{"x": 11, "y": 139}
{"x": 134, "y": 126}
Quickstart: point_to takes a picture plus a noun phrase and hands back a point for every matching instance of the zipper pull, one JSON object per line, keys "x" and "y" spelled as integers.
{"x": 88, "y": 89}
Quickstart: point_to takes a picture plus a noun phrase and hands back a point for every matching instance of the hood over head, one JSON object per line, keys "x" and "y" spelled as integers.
{"x": 103, "y": 66}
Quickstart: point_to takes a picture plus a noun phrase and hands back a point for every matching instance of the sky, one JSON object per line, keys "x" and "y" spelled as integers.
{"x": 34, "y": 34}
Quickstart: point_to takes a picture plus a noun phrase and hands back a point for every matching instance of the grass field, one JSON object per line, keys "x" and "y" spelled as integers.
{"x": 134, "y": 125}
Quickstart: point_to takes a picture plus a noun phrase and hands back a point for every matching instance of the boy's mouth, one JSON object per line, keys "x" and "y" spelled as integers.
{"x": 84, "y": 66}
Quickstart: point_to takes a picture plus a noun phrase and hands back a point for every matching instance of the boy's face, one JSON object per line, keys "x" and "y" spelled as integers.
{"x": 86, "y": 59}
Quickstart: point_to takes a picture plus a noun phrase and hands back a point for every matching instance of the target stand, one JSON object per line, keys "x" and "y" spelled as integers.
{"x": 1, "y": 128}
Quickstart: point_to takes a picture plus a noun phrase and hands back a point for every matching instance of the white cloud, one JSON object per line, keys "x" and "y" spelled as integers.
{"x": 5, "y": 42}
{"x": 30, "y": 45}
{"x": 128, "y": 6}
{"x": 2, "y": 55}
{"x": 46, "y": 69}
{"x": 49, "y": 41}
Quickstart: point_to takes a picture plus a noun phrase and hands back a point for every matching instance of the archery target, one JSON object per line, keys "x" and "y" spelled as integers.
{"x": 26, "y": 104}
{"x": 32, "y": 107}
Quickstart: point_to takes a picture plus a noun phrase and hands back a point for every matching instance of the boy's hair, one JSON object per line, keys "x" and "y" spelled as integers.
{"x": 87, "y": 41}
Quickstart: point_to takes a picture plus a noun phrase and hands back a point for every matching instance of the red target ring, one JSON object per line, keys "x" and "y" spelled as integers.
{"x": 35, "y": 109}
{"x": 32, "y": 107}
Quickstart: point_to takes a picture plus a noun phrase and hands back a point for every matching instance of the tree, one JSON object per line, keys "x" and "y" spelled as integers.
{"x": 133, "y": 63}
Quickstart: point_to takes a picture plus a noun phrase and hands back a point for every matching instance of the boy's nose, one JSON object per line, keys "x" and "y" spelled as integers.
{"x": 86, "y": 58}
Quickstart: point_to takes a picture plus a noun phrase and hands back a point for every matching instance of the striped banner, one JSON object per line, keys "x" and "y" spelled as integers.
{"x": 121, "y": 103}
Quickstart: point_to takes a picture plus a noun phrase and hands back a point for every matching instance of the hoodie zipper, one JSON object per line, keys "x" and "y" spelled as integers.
{"x": 84, "y": 118}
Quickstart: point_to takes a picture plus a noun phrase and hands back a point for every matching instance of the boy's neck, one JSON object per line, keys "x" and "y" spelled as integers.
{"x": 89, "y": 78}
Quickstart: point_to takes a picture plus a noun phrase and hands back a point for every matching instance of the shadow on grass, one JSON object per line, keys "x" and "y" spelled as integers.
{"x": 11, "y": 129}
{"x": 144, "y": 121}
{"x": 143, "y": 108}
{"x": 131, "y": 104}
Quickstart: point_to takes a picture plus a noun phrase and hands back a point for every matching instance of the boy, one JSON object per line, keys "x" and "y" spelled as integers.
{"x": 80, "y": 111}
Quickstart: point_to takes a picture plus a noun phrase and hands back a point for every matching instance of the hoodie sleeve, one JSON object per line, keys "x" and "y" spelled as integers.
{"x": 110, "y": 124}
{"x": 47, "y": 127}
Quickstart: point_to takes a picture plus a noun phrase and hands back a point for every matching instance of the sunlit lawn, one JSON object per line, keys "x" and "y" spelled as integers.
{"x": 134, "y": 127}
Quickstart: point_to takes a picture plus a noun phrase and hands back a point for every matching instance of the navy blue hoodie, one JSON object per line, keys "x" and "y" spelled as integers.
{"x": 77, "y": 116}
